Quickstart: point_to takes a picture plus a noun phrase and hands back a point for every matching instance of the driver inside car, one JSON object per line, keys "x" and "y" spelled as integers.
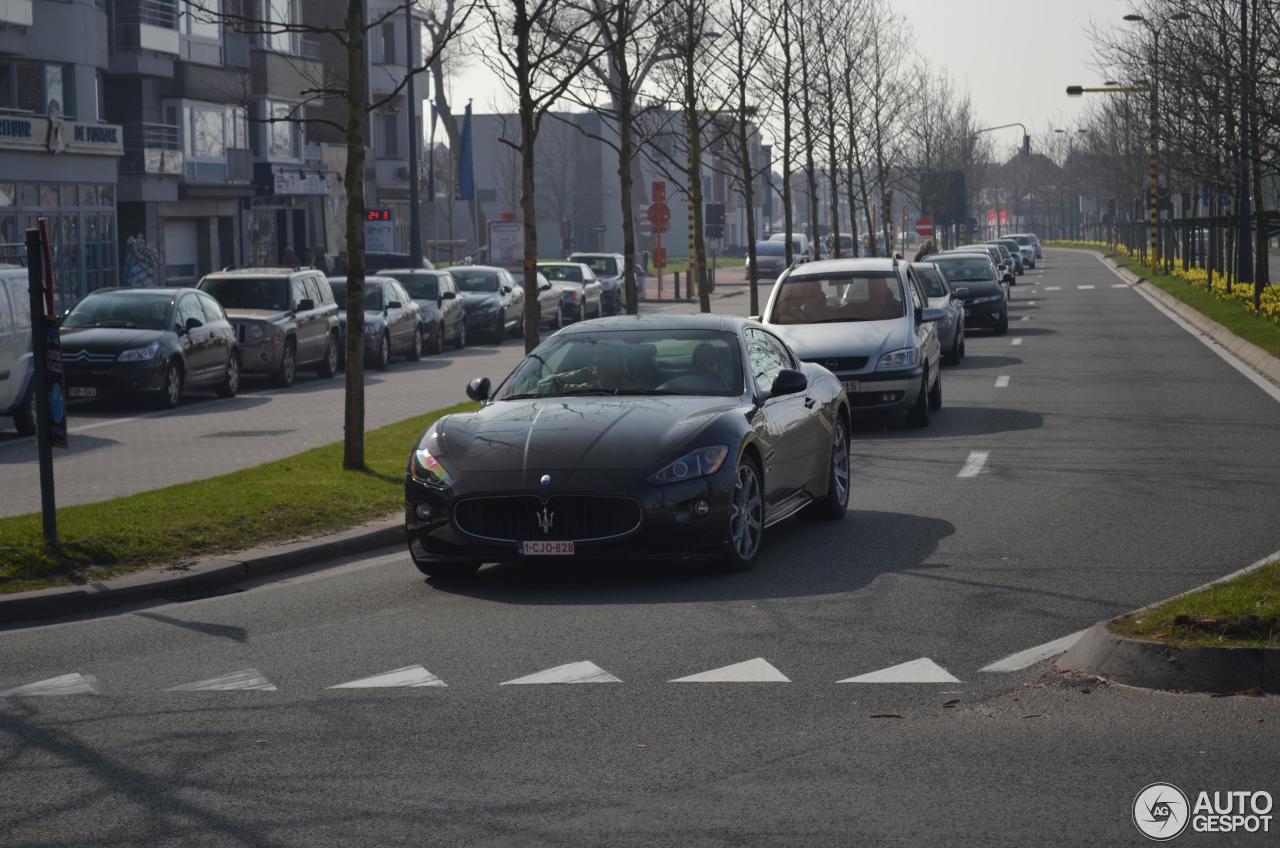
{"x": 608, "y": 373}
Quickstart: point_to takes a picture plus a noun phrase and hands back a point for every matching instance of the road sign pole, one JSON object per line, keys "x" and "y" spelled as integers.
{"x": 39, "y": 355}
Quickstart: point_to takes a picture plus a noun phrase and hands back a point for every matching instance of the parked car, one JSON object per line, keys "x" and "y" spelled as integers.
{"x": 284, "y": 318}
{"x": 376, "y": 262}
{"x": 934, "y": 286}
{"x": 986, "y": 303}
{"x": 495, "y": 301}
{"x": 152, "y": 342}
{"x": 443, "y": 318}
{"x": 865, "y": 321}
{"x": 771, "y": 259}
{"x": 609, "y": 270}
{"x": 548, "y": 300}
{"x": 390, "y": 321}
{"x": 1011, "y": 255}
{"x": 17, "y": 397}
{"x": 1028, "y": 248}
{"x": 682, "y": 435}
{"x": 1035, "y": 240}
{"x": 801, "y": 247}
{"x": 1006, "y": 273}
{"x": 581, "y": 295}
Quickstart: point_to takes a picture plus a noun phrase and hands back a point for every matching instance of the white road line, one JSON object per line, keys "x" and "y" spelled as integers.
{"x": 1226, "y": 355}
{"x": 576, "y": 672}
{"x": 250, "y": 679}
{"x": 974, "y": 464}
{"x": 1121, "y": 286}
{"x": 1002, "y": 382}
{"x": 1016, "y": 342}
{"x": 1025, "y": 318}
{"x": 923, "y": 670}
{"x": 758, "y": 670}
{"x": 1086, "y": 288}
{"x": 65, "y": 684}
{"x": 1031, "y": 656}
{"x": 410, "y": 676}
{"x": 1053, "y": 288}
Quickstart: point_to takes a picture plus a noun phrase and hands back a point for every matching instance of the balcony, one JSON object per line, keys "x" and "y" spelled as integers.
{"x": 144, "y": 37}
{"x": 236, "y": 169}
{"x": 152, "y": 149}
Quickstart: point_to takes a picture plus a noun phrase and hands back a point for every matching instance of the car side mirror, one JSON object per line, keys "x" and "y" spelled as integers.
{"x": 193, "y": 323}
{"x": 1007, "y": 278}
{"x": 448, "y": 296}
{"x": 306, "y": 305}
{"x": 506, "y": 289}
{"x": 544, "y": 287}
{"x": 393, "y": 304}
{"x": 788, "y": 382}
{"x": 930, "y": 315}
{"x": 478, "y": 389}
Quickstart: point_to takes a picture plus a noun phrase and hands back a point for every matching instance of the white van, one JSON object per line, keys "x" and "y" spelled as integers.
{"x": 16, "y": 395}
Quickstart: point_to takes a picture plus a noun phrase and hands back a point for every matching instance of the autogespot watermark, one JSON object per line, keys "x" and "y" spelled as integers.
{"x": 1162, "y": 811}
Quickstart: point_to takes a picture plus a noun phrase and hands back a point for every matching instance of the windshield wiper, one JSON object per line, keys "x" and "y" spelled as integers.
{"x": 644, "y": 392}
{"x": 524, "y": 396}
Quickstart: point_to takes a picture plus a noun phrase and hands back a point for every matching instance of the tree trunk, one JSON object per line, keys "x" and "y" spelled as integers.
{"x": 835, "y": 193}
{"x": 788, "y": 213}
{"x": 530, "y": 281}
{"x": 748, "y": 192}
{"x": 357, "y": 108}
{"x": 625, "y": 156}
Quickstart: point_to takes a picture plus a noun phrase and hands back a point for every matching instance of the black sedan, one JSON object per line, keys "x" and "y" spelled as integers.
{"x": 443, "y": 319}
{"x": 390, "y": 321}
{"x": 975, "y": 280}
{"x": 651, "y": 437}
{"x": 150, "y": 342}
{"x": 494, "y": 301}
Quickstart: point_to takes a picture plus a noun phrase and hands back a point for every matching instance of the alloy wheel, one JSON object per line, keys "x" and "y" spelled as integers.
{"x": 746, "y": 522}
{"x": 173, "y": 385}
{"x": 840, "y": 465}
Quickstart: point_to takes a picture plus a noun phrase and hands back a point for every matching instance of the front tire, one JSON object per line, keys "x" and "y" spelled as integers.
{"x": 746, "y": 519}
{"x": 935, "y": 394}
{"x": 384, "y": 352}
{"x": 953, "y": 355}
{"x": 287, "y": 371}
{"x": 836, "y": 503}
{"x": 24, "y": 419}
{"x": 1002, "y": 327}
{"x": 170, "y": 394}
{"x": 461, "y": 341}
{"x": 329, "y": 365}
{"x": 918, "y": 416}
{"x": 415, "y": 347}
{"x": 231, "y": 381}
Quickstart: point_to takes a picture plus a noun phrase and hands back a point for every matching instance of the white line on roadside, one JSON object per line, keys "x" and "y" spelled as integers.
{"x": 1053, "y": 288}
{"x": 1025, "y": 318}
{"x": 974, "y": 464}
{"x": 1086, "y": 288}
{"x": 1016, "y": 342}
{"x": 1031, "y": 656}
{"x": 1121, "y": 286}
{"x": 1002, "y": 382}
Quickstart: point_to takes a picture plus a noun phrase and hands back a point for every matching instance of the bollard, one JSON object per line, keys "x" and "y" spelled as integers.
{"x": 675, "y": 292}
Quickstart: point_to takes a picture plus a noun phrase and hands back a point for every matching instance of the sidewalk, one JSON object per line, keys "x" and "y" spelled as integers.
{"x": 729, "y": 280}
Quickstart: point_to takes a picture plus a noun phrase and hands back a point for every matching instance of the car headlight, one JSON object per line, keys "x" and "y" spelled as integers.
{"x": 140, "y": 354}
{"x": 973, "y": 301}
{"x": 425, "y": 468}
{"x": 904, "y": 358}
{"x": 254, "y": 332}
{"x": 697, "y": 463}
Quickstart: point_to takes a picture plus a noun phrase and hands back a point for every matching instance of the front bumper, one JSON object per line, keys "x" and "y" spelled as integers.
{"x": 668, "y": 527}
{"x": 883, "y": 391}
{"x": 478, "y": 320}
{"x": 116, "y": 380}
{"x": 988, "y": 315}
{"x": 260, "y": 358}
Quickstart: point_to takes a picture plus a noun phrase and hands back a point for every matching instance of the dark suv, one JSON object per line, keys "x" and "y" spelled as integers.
{"x": 285, "y": 319}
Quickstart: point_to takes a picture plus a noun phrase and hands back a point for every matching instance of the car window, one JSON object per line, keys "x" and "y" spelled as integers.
{"x": 569, "y": 273}
{"x": 212, "y": 309}
{"x": 120, "y": 310}
{"x": 422, "y": 286}
{"x": 189, "y": 307}
{"x": 766, "y": 357}
{"x": 472, "y": 280}
{"x": 446, "y": 283}
{"x": 965, "y": 269}
{"x": 299, "y": 290}
{"x": 916, "y": 297}
{"x": 856, "y": 296}
{"x": 931, "y": 280}
{"x": 6, "y": 314}
{"x": 248, "y": 292}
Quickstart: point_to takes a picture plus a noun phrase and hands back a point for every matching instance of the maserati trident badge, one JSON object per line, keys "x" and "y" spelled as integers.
{"x": 545, "y": 520}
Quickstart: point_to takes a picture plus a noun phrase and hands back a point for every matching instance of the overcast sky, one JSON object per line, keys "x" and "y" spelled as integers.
{"x": 1043, "y": 47}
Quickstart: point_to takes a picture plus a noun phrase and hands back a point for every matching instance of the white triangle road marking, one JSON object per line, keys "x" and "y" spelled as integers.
{"x": 923, "y": 670}
{"x": 1002, "y": 382}
{"x": 1031, "y": 656}
{"x": 409, "y": 676}
{"x": 974, "y": 464}
{"x": 584, "y": 671}
{"x": 64, "y": 684}
{"x": 1016, "y": 342}
{"x": 1053, "y": 288}
{"x": 758, "y": 670}
{"x": 247, "y": 679}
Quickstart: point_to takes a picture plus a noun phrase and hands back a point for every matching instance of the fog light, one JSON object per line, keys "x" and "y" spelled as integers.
{"x": 701, "y": 508}
{"x": 423, "y": 511}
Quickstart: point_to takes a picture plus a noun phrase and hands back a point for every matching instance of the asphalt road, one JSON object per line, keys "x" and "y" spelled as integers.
{"x": 1124, "y": 461}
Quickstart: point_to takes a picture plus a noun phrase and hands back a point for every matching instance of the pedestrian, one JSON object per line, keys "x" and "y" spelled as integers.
{"x": 319, "y": 260}
{"x": 645, "y": 263}
{"x": 340, "y": 264}
{"x": 290, "y": 258}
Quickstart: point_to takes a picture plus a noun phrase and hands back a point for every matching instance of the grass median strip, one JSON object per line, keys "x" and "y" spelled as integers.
{"x": 1244, "y": 612}
{"x": 305, "y": 494}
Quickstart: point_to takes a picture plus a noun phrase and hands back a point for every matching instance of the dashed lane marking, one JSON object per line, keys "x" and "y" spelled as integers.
{"x": 758, "y": 670}
{"x": 1025, "y": 318}
{"x": 409, "y": 676}
{"x": 1016, "y": 342}
{"x": 1002, "y": 382}
{"x": 974, "y": 464}
{"x": 923, "y": 670}
{"x": 250, "y": 679}
{"x": 1086, "y": 288}
{"x": 65, "y": 684}
{"x": 1053, "y": 288}
{"x": 1031, "y": 656}
{"x": 1121, "y": 286}
{"x": 575, "y": 672}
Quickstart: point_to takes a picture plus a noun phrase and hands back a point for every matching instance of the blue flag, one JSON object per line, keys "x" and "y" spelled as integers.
{"x": 466, "y": 182}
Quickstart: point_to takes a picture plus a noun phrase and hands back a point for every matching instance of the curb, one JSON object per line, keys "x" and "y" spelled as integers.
{"x": 201, "y": 579}
{"x": 1156, "y": 665}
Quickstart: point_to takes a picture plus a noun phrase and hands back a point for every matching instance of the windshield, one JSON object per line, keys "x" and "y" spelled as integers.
{"x": 1022, "y": 240}
{"x": 932, "y": 281}
{"x": 865, "y": 296}
{"x": 562, "y": 273}
{"x": 771, "y": 248}
{"x": 134, "y": 311}
{"x": 472, "y": 280}
{"x": 372, "y": 295}
{"x": 249, "y": 292}
{"x": 419, "y": 286}
{"x": 643, "y": 362}
{"x": 603, "y": 266}
{"x": 965, "y": 269}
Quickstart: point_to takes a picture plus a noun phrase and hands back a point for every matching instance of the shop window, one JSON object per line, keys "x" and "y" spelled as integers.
{"x": 29, "y": 82}
{"x": 8, "y": 194}
{"x": 48, "y": 197}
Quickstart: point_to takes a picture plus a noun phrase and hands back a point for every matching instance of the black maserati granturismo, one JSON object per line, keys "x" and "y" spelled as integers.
{"x": 658, "y": 436}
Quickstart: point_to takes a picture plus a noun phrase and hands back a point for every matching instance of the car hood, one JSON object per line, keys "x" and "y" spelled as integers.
{"x": 105, "y": 339}
{"x": 563, "y": 434}
{"x": 852, "y": 338}
{"x": 980, "y": 288}
{"x": 255, "y": 314}
{"x": 477, "y": 298}
{"x": 371, "y": 316}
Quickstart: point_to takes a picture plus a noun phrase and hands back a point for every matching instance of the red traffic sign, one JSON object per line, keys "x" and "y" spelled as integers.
{"x": 658, "y": 191}
{"x": 659, "y": 257}
{"x": 659, "y": 214}
{"x": 924, "y": 226}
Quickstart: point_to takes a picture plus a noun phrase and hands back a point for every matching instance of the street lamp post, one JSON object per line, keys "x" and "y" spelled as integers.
{"x": 415, "y": 228}
{"x": 1154, "y": 97}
